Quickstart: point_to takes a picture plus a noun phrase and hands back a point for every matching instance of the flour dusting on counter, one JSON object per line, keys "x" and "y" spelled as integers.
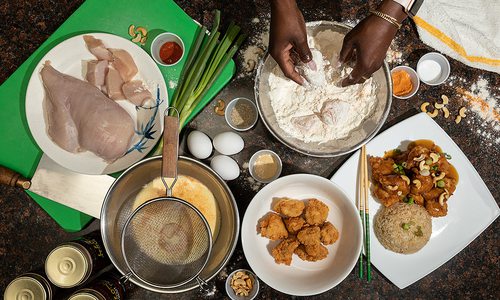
{"x": 321, "y": 110}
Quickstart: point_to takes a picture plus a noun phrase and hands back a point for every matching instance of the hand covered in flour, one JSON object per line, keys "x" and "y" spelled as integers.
{"x": 366, "y": 44}
{"x": 288, "y": 38}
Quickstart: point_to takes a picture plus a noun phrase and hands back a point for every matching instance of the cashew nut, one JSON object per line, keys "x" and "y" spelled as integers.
{"x": 442, "y": 197}
{"x": 458, "y": 119}
{"x": 423, "y": 165}
{"x": 446, "y": 112}
{"x": 131, "y": 30}
{"x": 438, "y": 105}
{"x": 461, "y": 112}
{"x": 435, "y": 157}
{"x": 406, "y": 179}
{"x": 417, "y": 183}
{"x": 420, "y": 158}
{"x": 423, "y": 107}
{"x": 137, "y": 38}
{"x": 433, "y": 114}
{"x": 392, "y": 187}
{"x": 445, "y": 99}
{"x": 441, "y": 176}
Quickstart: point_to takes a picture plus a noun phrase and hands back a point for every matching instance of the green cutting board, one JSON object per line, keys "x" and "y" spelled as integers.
{"x": 18, "y": 150}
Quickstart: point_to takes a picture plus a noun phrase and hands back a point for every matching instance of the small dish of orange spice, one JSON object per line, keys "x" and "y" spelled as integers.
{"x": 405, "y": 82}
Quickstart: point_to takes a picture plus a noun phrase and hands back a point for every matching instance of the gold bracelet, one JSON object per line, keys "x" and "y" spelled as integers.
{"x": 386, "y": 17}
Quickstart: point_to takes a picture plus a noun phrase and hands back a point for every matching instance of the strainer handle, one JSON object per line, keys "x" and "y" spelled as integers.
{"x": 170, "y": 150}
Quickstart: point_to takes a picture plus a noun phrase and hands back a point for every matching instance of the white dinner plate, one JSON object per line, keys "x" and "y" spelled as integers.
{"x": 303, "y": 278}
{"x": 471, "y": 209}
{"x": 69, "y": 57}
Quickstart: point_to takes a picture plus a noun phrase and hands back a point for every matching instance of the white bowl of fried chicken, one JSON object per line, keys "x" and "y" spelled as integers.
{"x": 301, "y": 234}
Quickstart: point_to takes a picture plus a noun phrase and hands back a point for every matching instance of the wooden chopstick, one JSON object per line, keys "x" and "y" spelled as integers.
{"x": 366, "y": 186}
{"x": 361, "y": 204}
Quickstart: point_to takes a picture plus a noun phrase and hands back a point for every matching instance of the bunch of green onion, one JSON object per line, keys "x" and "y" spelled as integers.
{"x": 206, "y": 59}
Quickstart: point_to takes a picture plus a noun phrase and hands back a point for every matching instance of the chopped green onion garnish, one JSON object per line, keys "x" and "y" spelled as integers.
{"x": 405, "y": 226}
{"x": 446, "y": 155}
{"x": 434, "y": 168}
{"x": 428, "y": 161}
{"x": 440, "y": 184}
{"x": 410, "y": 200}
{"x": 404, "y": 164}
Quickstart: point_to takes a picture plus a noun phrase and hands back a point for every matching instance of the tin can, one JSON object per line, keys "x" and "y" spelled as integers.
{"x": 30, "y": 286}
{"x": 106, "y": 287}
{"x": 72, "y": 263}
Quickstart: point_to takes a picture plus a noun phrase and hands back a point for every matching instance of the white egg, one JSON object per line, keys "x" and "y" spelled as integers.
{"x": 228, "y": 143}
{"x": 225, "y": 166}
{"x": 199, "y": 144}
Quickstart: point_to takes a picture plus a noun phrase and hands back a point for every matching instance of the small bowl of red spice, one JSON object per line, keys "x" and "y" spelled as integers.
{"x": 405, "y": 82}
{"x": 167, "y": 49}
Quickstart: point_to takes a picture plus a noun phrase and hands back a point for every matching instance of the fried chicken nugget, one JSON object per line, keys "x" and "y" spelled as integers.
{"x": 283, "y": 252}
{"x": 316, "y": 212}
{"x": 294, "y": 225}
{"x": 311, "y": 252}
{"x": 329, "y": 234}
{"x": 272, "y": 227}
{"x": 288, "y": 207}
{"x": 309, "y": 235}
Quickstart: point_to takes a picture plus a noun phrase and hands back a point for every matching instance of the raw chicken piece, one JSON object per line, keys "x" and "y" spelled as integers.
{"x": 306, "y": 124}
{"x": 114, "y": 84}
{"x": 136, "y": 92}
{"x": 124, "y": 63}
{"x": 79, "y": 117}
{"x": 97, "y": 48}
{"x": 334, "y": 112}
{"x": 96, "y": 72}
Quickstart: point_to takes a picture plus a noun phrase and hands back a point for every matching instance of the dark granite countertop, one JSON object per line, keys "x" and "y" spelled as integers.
{"x": 28, "y": 233}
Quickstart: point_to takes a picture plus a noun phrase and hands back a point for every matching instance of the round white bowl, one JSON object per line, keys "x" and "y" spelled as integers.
{"x": 443, "y": 63}
{"x": 414, "y": 80}
{"x": 303, "y": 278}
{"x": 161, "y": 39}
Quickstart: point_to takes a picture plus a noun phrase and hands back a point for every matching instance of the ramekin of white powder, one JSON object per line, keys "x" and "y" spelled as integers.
{"x": 321, "y": 110}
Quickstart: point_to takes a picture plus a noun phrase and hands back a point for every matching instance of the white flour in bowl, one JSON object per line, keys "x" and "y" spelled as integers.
{"x": 322, "y": 110}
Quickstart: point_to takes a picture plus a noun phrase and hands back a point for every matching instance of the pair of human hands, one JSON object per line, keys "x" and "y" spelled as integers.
{"x": 365, "y": 46}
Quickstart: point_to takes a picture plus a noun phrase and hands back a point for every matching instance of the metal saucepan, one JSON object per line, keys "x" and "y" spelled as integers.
{"x": 118, "y": 206}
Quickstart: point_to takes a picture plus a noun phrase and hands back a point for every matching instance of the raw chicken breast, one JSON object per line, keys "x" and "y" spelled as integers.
{"x": 96, "y": 72}
{"x": 136, "y": 92}
{"x": 114, "y": 84}
{"x": 97, "y": 48}
{"x": 79, "y": 117}
{"x": 124, "y": 63}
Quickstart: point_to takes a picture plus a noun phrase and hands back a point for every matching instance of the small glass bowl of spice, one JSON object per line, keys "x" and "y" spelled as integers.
{"x": 405, "y": 82}
{"x": 241, "y": 114}
{"x": 167, "y": 49}
{"x": 242, "y": 284}
{"x": 265, "y": 166}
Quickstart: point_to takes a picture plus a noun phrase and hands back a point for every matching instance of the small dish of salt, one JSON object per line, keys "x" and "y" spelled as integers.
{"x": 241, "y": 114}
{"x": 265, "y": 166}
{"x": 433, "y": 68}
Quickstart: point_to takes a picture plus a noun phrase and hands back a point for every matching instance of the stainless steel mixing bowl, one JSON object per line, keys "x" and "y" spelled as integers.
{"x": 119, "y": 201}
{"x": 358, "y": 137}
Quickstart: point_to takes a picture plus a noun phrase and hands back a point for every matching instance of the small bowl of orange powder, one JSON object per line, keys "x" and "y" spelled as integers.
{"x": 405, "y": 82}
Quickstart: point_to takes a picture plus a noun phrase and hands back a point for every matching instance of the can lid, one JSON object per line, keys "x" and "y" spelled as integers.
{"x": 66, "y": 266}
{"x": 25, "y": 288}
{"x": 83, "y": 296}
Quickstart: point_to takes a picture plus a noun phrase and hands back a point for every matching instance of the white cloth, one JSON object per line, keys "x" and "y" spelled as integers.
{"x": 467, "y": 30}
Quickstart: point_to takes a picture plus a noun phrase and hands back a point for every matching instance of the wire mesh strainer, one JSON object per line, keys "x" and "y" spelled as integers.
{"x": 166, "y": 242}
